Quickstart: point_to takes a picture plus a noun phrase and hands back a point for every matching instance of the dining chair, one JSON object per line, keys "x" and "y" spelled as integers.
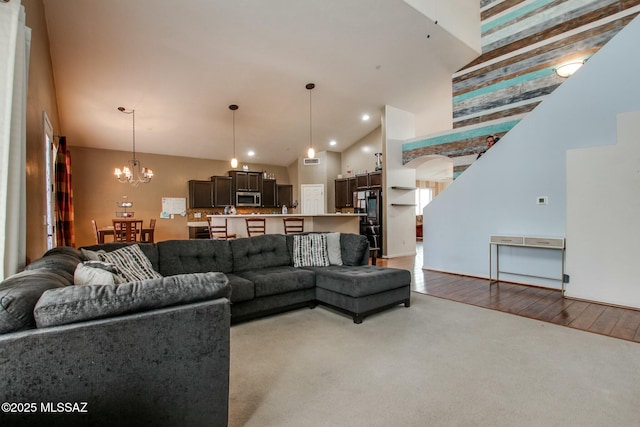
{"x": 255, "y": 226}
{"x": 147, "y": 233}
{"x": 293, "y": 225}
{"x": 95, "y": 230}
{"x": 218, "y": 229}
{"x": 127, "y": 230}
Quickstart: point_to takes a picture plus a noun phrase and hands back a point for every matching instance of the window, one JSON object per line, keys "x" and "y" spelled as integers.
{"x": 423, "y": 197}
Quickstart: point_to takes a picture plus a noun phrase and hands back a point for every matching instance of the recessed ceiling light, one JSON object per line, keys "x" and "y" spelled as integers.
{"x": 365, "y": 117}
{"x": 251, "y": 153}
{"x": 332, "y": 142}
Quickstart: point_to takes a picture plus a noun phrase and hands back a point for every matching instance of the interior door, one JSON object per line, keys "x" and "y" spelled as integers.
{"x": 51, "y": 150}
{"x": 312, "y": 196}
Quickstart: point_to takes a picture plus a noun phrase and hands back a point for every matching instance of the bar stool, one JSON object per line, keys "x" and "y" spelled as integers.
{"x": 219, "y": 231}
{"x": 255, "y": 226}
{"x": 293, "y": 225}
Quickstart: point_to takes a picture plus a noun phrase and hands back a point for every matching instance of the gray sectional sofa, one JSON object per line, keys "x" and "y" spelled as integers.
{"x": 156, "y": 351}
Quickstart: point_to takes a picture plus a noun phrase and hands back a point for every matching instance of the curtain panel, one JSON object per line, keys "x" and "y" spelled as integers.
{"x": 15, "y": 44}
{"x": 65, "y": 233}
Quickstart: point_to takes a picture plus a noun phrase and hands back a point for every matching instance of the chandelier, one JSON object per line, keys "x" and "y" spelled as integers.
{"x": 133, "y": 173}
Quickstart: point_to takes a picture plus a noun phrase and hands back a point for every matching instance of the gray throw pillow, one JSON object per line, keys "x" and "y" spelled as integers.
{"x": 91, "y": 255}
{"x": 333, "y": 248}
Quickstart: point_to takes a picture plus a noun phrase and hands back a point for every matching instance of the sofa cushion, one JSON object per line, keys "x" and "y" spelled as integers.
{"x": 194, "y": 256}
{"x": 310, "y": 250}
{"x": 79, "y": 303}
{"x": 132, "y": 263}
{"x": 57, "y": 261}
{"x": 278, "y": 280}
{"x": 20, "y": 293}
{"x": 241, "y": 288}
{"x": 269, "y": 250}
{"x": 359, "y": 281}
{"x": 66, "y": 250}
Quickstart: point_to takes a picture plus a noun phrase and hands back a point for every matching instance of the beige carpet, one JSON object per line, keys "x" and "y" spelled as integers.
{"x": 438, "y": 363}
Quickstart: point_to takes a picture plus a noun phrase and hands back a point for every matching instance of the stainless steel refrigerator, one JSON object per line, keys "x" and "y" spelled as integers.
{"x": 371, "y": 225}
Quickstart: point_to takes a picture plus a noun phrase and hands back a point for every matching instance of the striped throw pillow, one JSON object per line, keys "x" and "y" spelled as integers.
{"x": 310, "y": 250}
{"x": 132, "y": 263}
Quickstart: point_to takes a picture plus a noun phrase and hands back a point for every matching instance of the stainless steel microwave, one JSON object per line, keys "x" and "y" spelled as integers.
{"x": 248, "y": 198}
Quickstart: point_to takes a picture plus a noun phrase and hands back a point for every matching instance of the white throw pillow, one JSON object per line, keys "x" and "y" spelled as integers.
{"x": 333, "y": 248}
{"x": 86, "y": 275}
{"x": 132, "y": 263}
{"x": 310, "y": 250}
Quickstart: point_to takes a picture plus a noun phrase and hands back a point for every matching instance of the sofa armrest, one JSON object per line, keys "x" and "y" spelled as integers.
{"x": 168, "y": 367}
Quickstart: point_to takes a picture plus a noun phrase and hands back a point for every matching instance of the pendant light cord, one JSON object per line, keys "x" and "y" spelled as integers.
{"x": 310, "y": 121}
{"x": 134, "y": 135}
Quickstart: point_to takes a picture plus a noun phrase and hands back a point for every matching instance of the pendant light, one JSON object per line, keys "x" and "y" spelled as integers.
{"x": 234, "y": 160}
{"x": 133, "y": 173}
{"x": 311, "y": 153}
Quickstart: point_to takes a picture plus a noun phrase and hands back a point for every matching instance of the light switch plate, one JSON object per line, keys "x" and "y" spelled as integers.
{"x": 197, "y": 215}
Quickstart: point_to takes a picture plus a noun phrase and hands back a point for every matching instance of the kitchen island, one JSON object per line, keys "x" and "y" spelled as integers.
{"x": 341, "y": 222}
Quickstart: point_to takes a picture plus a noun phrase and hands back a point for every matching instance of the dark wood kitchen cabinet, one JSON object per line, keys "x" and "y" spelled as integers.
{"x": 246, "y": 181}
{"x": 200, "y": 194}
{"x": 269, "y": 193}
{"x": 285, "y": 195}
{"x": 344, "y": 192}
{"x": 222, "y": 192}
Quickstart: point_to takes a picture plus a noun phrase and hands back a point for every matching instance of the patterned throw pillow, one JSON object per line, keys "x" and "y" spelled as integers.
{"x": 310, "y": 250}
{"x": 132, "y": 263}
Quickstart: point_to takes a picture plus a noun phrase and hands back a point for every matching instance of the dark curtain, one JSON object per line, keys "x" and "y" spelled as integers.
{"x": 65, "y": 232}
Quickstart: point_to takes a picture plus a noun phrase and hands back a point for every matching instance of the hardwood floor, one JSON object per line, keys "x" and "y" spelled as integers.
{"x": 536, "y": 303}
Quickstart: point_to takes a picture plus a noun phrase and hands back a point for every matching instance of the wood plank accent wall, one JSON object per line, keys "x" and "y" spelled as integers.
{"x": 523, "y": 41}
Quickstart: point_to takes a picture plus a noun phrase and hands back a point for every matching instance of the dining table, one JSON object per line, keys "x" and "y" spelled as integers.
{"x": 146, "y": 233}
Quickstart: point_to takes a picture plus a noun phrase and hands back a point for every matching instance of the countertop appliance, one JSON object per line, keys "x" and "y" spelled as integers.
{"x": 248, "y": 198}
{"x": 370, "y": 202}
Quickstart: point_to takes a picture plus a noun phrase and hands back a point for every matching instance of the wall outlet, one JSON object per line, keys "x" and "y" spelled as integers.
{"x": 542, "y": 200}
{"x": 197, "y": 215}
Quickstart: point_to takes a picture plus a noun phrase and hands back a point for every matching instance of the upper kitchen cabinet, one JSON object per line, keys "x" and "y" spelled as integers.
{"x": 344, "y": 192}
{"x": 285, "y": 195}
{"x": 246, "y": 181}
{"x": 269, "y": 193}
{"x": 222, "y": 192}
{"x": 200, "y": 194}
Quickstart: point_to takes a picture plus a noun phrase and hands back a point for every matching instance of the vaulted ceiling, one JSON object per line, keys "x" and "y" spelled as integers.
{"x": 181, "y": 64}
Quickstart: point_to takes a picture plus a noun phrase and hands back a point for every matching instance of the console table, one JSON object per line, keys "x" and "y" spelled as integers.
{"x": 556, "y": 243}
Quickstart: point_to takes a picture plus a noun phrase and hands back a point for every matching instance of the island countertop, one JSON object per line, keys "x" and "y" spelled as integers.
{"x": 341, "y": 222}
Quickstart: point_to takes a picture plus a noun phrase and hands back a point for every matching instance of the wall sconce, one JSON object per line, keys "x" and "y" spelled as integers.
{"x": 566, "y": 70}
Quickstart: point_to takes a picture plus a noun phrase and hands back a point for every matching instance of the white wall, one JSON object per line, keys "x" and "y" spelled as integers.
{"x": 459, "y": 17}
{"x": 399, "y": 227}
{"x": 603, "y": 209}
{"x": 360, "y": 156}
{"x": 497, "y": 194}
